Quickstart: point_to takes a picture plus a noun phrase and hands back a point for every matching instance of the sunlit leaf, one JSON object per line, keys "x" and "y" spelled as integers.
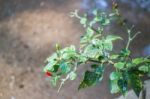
{"x": 119, "y": 65}
{"x": 73, "y": 75}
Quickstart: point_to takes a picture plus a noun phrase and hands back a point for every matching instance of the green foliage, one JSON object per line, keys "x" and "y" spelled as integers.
{"x": 136, "y": 82}
{"x": 97, "y": 48}
{"x": 114, "y": 77}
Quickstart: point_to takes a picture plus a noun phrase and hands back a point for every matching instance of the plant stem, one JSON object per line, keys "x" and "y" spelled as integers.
{"x": 62, "y": 83}
{"x": 67, "y": 77}
{"x": 130, "y": 38}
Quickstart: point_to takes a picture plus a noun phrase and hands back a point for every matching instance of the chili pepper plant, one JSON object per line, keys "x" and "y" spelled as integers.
{"x": 97, "y": 48}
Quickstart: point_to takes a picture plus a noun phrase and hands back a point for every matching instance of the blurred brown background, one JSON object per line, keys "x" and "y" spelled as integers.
{"x": 29, "y": 30}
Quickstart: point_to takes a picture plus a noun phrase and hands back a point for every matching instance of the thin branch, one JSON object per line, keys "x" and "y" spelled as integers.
{"x": 130, "y": 38}
{"x": 67, "y": 77}
{"x": 62, "y": 83}
{"x": 92, "y": 60}
{"x": 136, "y": 35}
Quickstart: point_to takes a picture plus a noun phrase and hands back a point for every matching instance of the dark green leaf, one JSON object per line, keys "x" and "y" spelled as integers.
{"x": 56, "y": 67}
{"x": 90, "y": 79}
{"x": 123, "y": 86}
{"x": 125, "y": 52}
{"x": 136, "y": 83}
{"x": 94, "y": 66}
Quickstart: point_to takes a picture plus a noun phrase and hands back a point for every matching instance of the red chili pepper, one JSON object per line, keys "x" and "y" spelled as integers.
{"x": 48, "y": 73}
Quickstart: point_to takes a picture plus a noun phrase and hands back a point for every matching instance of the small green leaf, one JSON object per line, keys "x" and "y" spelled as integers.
{"x": 104, "y": 21}
{"x": 137, "y": 61}
{"x": 54, "y": 80}
{"x": 114, "y": 77}
{"x": 129, "y": 65}
{"x": 108, "y": 45}
{"x": 95, "y": 12}
{"x": 83, "y": 21}
{"x": 114, "y": 56}
{"x": 113, "y": 37}
{"x": 89, "y": 30}
{"x": 119, "y": 65}
{"x": 49, "y": 66}
{"x": 73, "y": 75}
{"x": 82, "y": 58}
{"x": 64, "y": 67}
{"x": 125, "y": 52}
{"x": 99, "y": 70}
{"x": 145, "y": 68}
{"x": 56, "y": 67}
{"x": 114, "y": 88}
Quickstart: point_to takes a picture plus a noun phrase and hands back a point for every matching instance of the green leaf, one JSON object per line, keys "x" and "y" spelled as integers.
{"x": 87, "y": 37}
{"x": 108, "y": 45}
{"x": 54, "y": 80}
{"x": 64, "y": 67}
{"x": 52, "y": 57}
{"x": 138, "y": 61}
{"x": 99, "y": 70}
{"x": 89, "y": 30}
{"x": 83, "y": 21}
{"x": 82, "y": 58}
{"x": 114, "y": 88}
{"x": 72, "y": 75}
{"x": 90, "y": 79}
{"x": 94, "y": 66}
{"x": 113, "y": 37}
{"x": 114, "y": 56}
{"x": 95, "y": 11}
{"x": 129, "y": 65}
{"x": 124, "y": 52}
{"x": 56, "y": 67}
{"x": 92, "y": 52}
{"x": 144, "y": 68}
{"x": 114, "y": 77}
{"x": 123, "y": 86}
{"x": 136, "y": 83}
{"x": 50, "y": 66}
{"x": 119, "y": 65}
{"x": 104, "y": 21}
{"x": 69, "y": 53}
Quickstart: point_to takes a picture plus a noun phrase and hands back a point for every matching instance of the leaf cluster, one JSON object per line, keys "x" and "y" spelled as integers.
{"x": 97, "y": 48}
